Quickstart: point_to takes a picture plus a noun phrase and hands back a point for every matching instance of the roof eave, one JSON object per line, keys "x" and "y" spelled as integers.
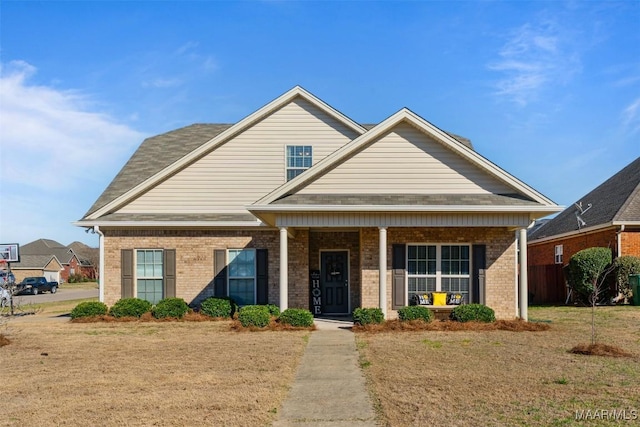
{"x": 403, "y": 208}
{"x": 150, "y": 224}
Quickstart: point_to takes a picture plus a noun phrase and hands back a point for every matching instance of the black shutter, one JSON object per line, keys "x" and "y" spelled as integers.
{"x": 479, "y": 255}
{"x": 220, "y": 272}
{"x": 126, "y": 273}
{"x": 398, "y": 264}
{"x": 169, "y": 273}
{"x": 262, "y": 276}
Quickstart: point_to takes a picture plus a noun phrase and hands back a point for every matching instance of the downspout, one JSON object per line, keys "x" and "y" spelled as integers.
{"x": 619, "y": 240}
{"x": 96, "y": 229}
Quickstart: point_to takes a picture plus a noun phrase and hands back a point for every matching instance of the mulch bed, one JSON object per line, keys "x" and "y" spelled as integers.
{"x": 449, "y": 325}
{"x": 599, "y": 349}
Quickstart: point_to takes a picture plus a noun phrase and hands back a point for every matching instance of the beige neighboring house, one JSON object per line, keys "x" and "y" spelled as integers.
{"x": 36, "y": 266}
{"x": 300, "y": 206}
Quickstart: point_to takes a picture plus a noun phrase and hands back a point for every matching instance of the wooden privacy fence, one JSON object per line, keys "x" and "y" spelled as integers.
{"x": 547, "y": 284}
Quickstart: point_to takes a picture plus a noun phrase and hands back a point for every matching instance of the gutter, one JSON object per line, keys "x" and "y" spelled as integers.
{"x": 619, "y": 240}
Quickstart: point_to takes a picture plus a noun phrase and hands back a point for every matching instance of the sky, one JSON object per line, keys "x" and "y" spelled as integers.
{"x": 547, "y": 90}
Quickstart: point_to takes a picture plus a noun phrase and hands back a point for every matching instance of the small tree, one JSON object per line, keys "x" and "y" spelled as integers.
{"x": 588, "y": 271}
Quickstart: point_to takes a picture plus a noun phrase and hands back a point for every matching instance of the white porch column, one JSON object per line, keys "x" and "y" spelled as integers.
{"x": 524, "y": 280}
{"x": 284, "y": 269}
{"x": 383, "y": 270}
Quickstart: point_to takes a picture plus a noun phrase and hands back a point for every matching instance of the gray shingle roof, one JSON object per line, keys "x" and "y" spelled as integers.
{"x": 155, "y": 154}
{"x": 406, "y": 200}
{"x": 32, "y": 261}
{"x": 616, "y": 199}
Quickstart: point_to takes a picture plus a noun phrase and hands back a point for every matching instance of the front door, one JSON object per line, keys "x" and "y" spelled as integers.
{"x": 334, "y": 282}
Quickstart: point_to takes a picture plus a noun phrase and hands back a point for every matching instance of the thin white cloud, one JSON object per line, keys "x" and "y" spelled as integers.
{"x": 631, "y": 117}
{"x": 535, "y": 57}
{"x": 163, "y": 83}
{"x": 56, "y": 154}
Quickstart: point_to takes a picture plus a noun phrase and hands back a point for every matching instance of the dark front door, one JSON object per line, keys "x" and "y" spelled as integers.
{"x": 334, "y": 281}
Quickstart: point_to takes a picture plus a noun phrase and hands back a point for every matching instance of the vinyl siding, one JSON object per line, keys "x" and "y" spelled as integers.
{"x": 363, "y": 219}
{"x": 247, "y": 167}
{"x": 406, "y": 161}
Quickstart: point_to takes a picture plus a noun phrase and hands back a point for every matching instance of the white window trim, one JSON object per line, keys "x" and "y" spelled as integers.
{"x": 558, "y": 253}
{"x": 255, "y": 272}
{"x": 286, "y": 158}
{"x": 438, "y": 274}
{"x": 135, "y": 270}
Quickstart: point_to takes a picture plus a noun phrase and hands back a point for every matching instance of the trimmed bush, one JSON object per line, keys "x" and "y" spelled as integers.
{"x": 130, "y": 307}
{"x": 585, "y": 268}
{"x": 218, "y": 307}
{"x": 170, "y": 307}
{"x": 366, "y": 316}
{"x": 415, "y": 312}
{"x": 254, "y": 315}
{"x": 274, "y": 310}
{"x": 473, "y": 313}
{"x": 623, "y": 267}
{"x": 88, "y": 309}
{"x": 296, "y": 317}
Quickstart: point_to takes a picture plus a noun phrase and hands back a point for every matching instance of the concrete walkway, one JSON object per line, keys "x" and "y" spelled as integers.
{"x": 329, "y": 389}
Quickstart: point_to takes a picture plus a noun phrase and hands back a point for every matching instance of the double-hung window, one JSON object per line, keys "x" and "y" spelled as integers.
{"x": 242, "y": 276}
{"x": 149, "y": 274}
{"x": 299, "y": 159}
{"x": 438, "y": 268}
{"x": 558, "y": 254}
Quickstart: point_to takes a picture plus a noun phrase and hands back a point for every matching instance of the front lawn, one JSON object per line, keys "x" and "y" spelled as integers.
{"x": 498, "y": 378}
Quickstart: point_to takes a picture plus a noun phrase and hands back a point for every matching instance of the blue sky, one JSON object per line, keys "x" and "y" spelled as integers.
{"x": 548, "y": 90}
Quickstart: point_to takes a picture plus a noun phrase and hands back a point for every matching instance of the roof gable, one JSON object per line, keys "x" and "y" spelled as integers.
{"x": 401, "y": 119}
{"x": 131, "y": 182}
{"x": 617, "y": 200}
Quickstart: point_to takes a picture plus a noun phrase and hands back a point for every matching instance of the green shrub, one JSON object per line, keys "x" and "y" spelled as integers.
{"x": 296, "y": 317}
{"x": 130, "y": 307}
{"x": 274, "y": 310}
{"x": 170, "y": 307}
{"x": 473, "y": 313}
{"x": 585, "y": 268}
{"x": 218, "y": 307}
{"x": 415, "y": 312}
{"x": 254, "y": 315}
{"x": 88, "y": 309}
{"x": 366, "y": 316}
{"x": 623, "y": 267}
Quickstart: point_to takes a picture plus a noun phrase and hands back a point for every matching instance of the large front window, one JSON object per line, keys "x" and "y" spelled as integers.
{"x": 299, "y": 159}
{"x": 149, "y": 271}
{"x": 242, "y": 276}
{"x": 438, "y": 268}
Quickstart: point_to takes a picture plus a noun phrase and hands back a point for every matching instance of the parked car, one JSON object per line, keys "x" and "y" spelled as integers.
{"x": 36, "y": 285}
{"x": 6, "y": 277}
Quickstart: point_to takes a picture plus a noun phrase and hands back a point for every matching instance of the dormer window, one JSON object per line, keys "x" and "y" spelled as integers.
{"x": 299, "y": 159}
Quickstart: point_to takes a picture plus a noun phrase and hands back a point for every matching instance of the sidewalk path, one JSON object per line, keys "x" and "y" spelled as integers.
{"x": 329, "y": 389}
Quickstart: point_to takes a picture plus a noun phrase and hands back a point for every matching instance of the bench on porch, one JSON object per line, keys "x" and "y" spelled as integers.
{"x": 441, "y": 304}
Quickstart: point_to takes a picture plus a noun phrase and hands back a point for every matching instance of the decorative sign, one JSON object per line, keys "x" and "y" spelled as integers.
{"x": 316, "y": 292}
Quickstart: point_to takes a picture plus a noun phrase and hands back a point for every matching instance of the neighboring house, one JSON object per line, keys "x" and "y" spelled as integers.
{"x": 609, "y": 216}
{"x": 300, "y": 206}
{"x": 89, "y": 259}
{"x": 37, "y": 265}
{"x": 71, "y": 263}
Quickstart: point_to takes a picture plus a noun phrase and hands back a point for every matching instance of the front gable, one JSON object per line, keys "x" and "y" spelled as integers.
{"x": 247, "y": 166}
{"x": 406, "y": 160}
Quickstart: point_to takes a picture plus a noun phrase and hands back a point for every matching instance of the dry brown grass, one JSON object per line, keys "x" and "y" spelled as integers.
{"x": 599, "y": 349}
{"x": 144, "y": 373}
{"x": 500, "y": 378}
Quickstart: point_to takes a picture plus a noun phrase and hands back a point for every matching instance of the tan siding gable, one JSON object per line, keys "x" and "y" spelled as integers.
{"x": 406, "y": 160}
{"x": 247, "y": 167}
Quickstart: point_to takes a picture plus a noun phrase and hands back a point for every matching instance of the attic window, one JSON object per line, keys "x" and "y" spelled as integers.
{"x": 299, "y": 159}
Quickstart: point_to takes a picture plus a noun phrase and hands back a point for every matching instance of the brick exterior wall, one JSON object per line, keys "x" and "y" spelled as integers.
{"x": 630, "y": 242}
{"x": 544, "y": 253}
{"x": 195, "y": 250}
{"x": 500, "y": 293}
